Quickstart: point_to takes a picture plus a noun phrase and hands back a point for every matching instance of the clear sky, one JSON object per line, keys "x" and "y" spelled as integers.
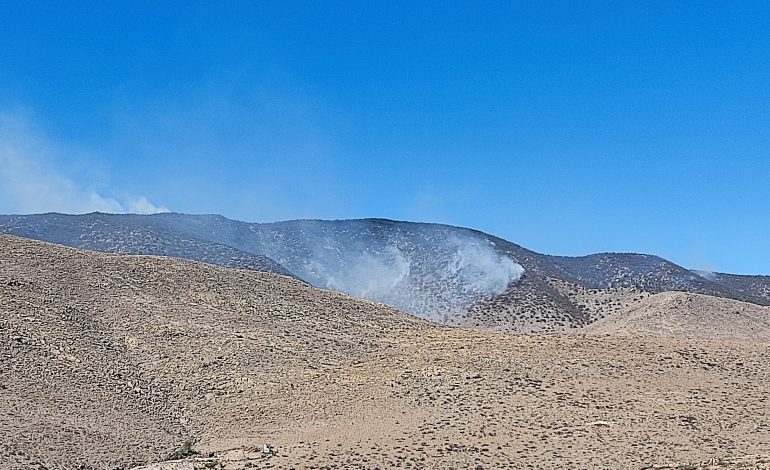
{"x": 597, "y": 126}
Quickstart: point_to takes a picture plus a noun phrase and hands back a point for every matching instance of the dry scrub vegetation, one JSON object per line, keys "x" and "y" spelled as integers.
{"x": 115, "y": 361}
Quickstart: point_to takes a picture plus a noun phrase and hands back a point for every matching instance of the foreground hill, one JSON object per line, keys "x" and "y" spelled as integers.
{"x": 113, "y": 361}
{"x": 683, "y": 315}
{"x": 446, "y": 274}
{"x": 119, "y": 350}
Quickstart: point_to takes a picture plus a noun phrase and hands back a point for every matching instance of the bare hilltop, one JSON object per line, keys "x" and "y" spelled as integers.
{"x": 118, "y": 361}
{"x": 688, "y": 316}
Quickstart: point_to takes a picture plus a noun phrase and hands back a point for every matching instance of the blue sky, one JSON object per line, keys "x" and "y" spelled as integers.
{"x": 598, "y": 126}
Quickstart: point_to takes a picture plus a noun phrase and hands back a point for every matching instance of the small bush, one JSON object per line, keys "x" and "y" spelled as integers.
{"x": 183, "y": 452}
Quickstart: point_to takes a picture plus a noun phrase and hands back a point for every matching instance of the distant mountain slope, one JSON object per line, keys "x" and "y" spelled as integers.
{"x": 442, "y": 273}
{"x": 643, "y": 272}
{"x": 755, "y": 288}
{"x": 437, "y": 272}
{"x": 646, "y": 272}
{"x": 132, "y": 234}
{"x": 685, "y": 315}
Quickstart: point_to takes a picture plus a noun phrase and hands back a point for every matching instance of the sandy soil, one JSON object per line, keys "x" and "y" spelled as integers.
{"x": 114, "y": 361}
{"x": 693, "y": 316}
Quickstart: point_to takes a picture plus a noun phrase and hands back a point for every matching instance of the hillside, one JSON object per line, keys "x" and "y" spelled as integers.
{"x": 132, "y": 235}
{"x": 756, "y": 288}
{"x": 684, "y": 315}
{"x": 113, "y": 361}
{"x": 435, "y": 272}
{"x": 445, "y": 274}
{"x": 148, "y": 341}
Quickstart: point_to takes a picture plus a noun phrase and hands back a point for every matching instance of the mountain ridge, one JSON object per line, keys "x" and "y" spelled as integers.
{"x": 449, "y": 274}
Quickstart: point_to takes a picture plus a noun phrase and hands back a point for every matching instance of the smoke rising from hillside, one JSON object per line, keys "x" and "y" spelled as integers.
{"x": 706, "y": 274}
{"x": 427, "y": 273}
{"x": 33, "y": 179}
{"x": 430, "y": 270}
{"x": 481, "y": 269}
{"x": 366, "y": 274}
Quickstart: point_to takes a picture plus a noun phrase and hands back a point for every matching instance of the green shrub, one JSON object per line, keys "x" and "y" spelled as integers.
{"x": 186, "y": 450}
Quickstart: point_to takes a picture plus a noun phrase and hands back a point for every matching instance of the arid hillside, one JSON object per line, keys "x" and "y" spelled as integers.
{"x": 451, "y": 275}
{"x": 111, "y": 361}
{"x": 683, "y": 315}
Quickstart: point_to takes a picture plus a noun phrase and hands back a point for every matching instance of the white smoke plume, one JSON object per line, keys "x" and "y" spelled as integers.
{"x": 480, "y": 268}
{"x": 706, "y": 274}
{"x": 429, "y": 273}
{"x": 371, "y": 276}
{"x": 31, "y": 180}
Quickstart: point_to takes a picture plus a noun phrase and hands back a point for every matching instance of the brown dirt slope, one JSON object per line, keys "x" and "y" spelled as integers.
{"x": 104, "y": 358}
{"x": 684, "y": 315}
{"x": 112, "y": 361}
{"x": 756, "y": 462}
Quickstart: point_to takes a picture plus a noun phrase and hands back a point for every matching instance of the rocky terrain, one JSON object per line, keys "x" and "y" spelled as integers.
{"x": 111, "y": 361}
{"x": 757, "y": 461}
